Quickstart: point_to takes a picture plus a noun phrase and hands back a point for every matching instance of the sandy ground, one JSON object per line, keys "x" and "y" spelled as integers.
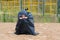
{"x": 48, "y": 31}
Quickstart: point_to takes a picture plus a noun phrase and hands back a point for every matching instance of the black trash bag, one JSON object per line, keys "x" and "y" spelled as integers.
{"x": 25, "y": 26}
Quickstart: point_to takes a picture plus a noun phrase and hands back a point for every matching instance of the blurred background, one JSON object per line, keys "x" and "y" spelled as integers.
{"x": 42, "y": 10}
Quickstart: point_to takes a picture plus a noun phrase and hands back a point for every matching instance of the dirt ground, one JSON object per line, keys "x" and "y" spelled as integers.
{"x": 48, "y": 31}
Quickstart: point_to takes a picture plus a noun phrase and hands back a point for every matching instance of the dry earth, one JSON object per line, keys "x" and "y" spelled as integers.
{"x": 48, "y": 31}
